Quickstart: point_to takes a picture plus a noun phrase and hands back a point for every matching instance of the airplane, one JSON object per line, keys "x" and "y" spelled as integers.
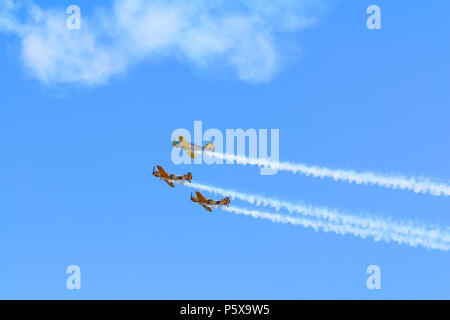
{"x": 190, "y": 148}
{"x": 208, "y": 203}
{"x": 169, "y": 178}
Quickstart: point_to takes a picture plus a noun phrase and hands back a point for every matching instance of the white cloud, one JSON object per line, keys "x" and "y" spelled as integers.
{"x": 241, "y": 36}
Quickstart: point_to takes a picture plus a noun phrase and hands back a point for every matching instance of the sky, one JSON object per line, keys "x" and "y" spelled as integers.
{"x": 86, "y": 114}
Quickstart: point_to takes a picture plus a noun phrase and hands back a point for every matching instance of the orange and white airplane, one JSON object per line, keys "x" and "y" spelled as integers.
{"x": 208, "y": 203}
{"x": 169, "y": 178}
{"x": 190, "y": 148}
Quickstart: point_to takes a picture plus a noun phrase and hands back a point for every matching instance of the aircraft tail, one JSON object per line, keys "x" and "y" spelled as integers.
{"x": 210, "y": 146}
{"x": 188, "y": 177}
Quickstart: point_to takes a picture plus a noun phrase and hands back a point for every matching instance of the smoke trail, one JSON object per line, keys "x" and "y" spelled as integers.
{"x": 415, "y": 184}
{"x": 321, "y": 213}
{"x": 380, "y": 229}
{"x": 340, "y": 229}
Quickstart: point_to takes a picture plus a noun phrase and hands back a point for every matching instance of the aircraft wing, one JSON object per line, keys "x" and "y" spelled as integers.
{"x": 207, "y": 208}
{"x": 200, "y": 197}
{"x": 162, "y": 172}
{"x": 183, "y": 143}
{"x": 170, "y": 183}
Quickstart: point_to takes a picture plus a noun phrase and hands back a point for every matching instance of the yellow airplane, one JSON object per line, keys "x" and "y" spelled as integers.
{"x": 208, "y": 203}
{"x": 190, "y": 148}
{"x": 169, "y": 178}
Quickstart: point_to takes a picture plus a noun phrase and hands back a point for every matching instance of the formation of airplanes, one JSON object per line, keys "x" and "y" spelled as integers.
{"x": 169, "y": 178}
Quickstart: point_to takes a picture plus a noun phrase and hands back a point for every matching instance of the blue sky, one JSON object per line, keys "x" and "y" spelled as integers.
{"x": 78, "y": 155}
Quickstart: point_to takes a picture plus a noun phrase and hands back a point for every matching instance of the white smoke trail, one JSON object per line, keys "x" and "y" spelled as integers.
{"x": 415, "y": 184}
{"x": 332, "y": 220}
{"x": 339, "y": 229}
